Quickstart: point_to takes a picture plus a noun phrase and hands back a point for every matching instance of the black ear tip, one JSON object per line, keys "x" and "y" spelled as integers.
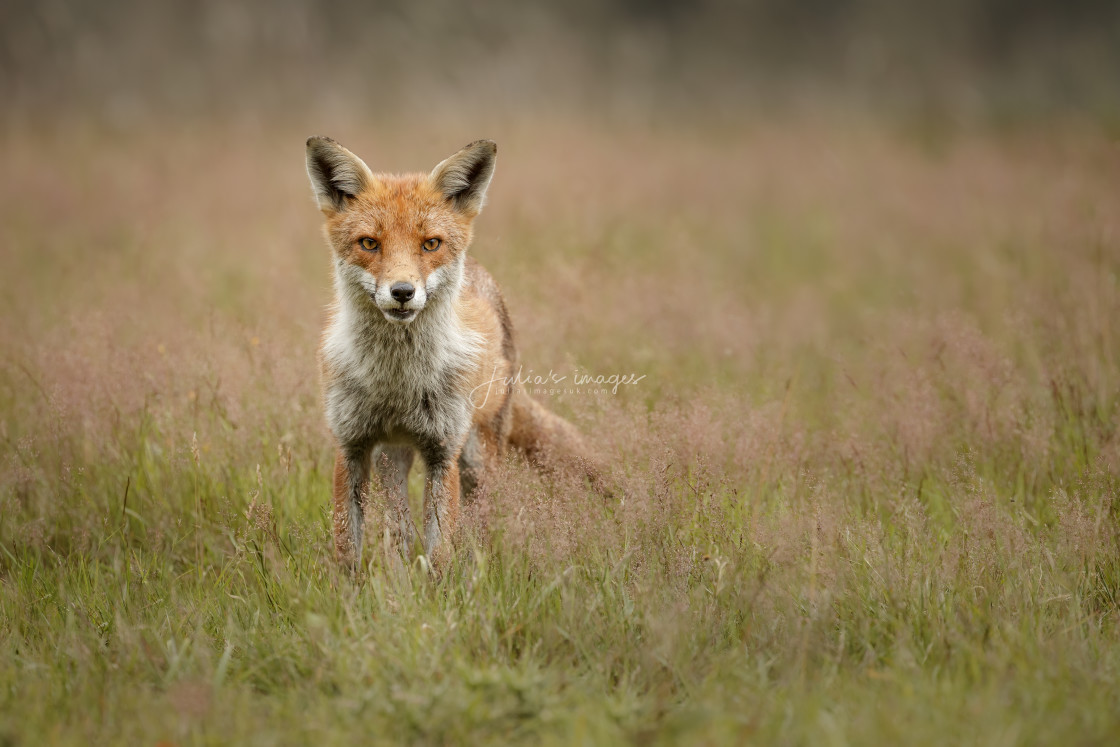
{"x": 317, "y": 141}
{"x": 488, "y": 146}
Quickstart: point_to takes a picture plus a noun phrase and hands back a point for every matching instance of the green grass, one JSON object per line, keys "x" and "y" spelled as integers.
{"x": 872, "y": 489}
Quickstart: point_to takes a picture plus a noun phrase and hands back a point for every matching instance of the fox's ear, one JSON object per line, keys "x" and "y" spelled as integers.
{"x": 464, "y": 177}
{"x": 336, "y": 174}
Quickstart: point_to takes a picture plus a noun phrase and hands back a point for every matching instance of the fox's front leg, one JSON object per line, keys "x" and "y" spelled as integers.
{"x": 351, "y": 479}
{"x": 441, "y": 508}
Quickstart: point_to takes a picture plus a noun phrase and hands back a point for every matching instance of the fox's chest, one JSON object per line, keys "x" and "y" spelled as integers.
{"x": 387, "y": 390}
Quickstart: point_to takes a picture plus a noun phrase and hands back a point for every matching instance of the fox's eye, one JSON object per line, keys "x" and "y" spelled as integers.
{"x": 370, "y": 245}
{"x": 431, "y": 245}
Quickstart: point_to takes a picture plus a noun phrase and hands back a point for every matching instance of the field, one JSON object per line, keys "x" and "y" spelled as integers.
{"x": 872, "y": 471}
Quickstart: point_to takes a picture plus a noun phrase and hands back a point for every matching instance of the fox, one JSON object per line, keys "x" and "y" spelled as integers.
{"x": 418, "y": 350}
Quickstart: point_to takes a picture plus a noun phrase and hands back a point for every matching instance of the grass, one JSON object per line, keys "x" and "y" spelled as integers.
{"x": 872, "y": 473}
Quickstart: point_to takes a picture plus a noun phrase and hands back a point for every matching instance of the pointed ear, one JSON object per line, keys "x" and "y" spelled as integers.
{"x": 336, "y": 174}
{"x": 464, "y": 177}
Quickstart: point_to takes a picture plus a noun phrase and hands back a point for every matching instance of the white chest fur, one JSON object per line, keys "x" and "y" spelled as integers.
{"x": 391, "y": 382}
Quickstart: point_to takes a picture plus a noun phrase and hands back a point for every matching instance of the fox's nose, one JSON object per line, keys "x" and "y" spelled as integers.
{"x": 402, "y": 292}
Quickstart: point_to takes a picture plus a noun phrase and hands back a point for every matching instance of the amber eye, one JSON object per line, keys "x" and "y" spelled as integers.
{"x": 431, "y": 245}
{"x": 370, "y": 245}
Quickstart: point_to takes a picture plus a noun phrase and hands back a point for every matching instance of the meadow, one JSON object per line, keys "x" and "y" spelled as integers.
{"x": 871, "y": 474}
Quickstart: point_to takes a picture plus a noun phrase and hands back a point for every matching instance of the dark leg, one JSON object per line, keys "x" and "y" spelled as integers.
{"x": 351, "y": 479}
{"x": 441, "y": 502}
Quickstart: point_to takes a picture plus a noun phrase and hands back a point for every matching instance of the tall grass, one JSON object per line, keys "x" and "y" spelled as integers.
{"x": 870, "y": 476}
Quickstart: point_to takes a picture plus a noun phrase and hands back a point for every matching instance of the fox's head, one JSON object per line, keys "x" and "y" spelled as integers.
{"x": 399, "y": 241}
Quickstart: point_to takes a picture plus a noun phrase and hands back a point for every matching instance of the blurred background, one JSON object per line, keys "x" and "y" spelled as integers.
{"x": 127, "y": 61}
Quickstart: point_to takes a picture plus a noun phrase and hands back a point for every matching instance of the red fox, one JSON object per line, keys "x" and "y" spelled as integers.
{"x": 418, "y": 350}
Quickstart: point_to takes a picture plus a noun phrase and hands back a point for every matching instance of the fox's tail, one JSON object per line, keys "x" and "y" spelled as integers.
{"x": 552, "y": 443}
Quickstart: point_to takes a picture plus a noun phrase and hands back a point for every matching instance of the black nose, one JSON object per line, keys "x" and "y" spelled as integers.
{"x": 402, "y": 292}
